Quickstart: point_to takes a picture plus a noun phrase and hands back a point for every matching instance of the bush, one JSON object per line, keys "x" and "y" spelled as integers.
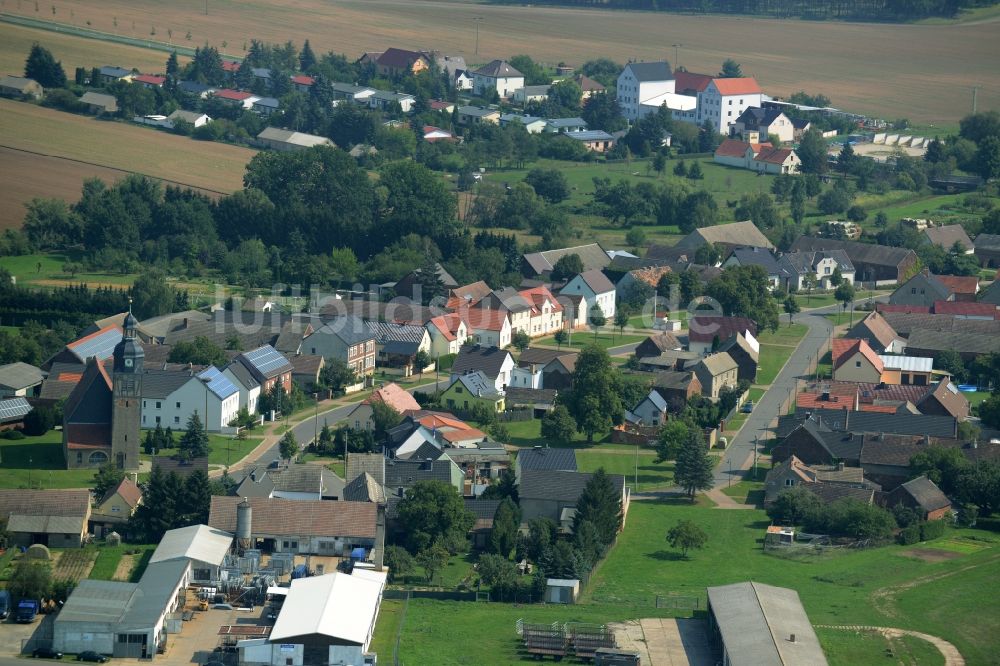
{"x": 12, "y": 434}
{"x": 932, "y": 529}
{"x": 909, "y": 535}
{"x": 39, "y": 421}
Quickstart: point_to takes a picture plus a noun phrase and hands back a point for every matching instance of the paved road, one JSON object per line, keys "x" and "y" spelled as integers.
{"x": 739, "y": 455}
{"x": 305, "y": 429}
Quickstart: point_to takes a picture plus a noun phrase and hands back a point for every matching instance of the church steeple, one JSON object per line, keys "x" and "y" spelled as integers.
{"x": 128, "y": 353}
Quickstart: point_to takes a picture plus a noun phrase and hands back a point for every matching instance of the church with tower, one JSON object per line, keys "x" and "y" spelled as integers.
{"x": 101, "y": 417}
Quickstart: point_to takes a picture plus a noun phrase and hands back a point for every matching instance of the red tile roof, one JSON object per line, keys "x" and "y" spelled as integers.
{"x": 538, "y": 295}
{"x": 438, "y": 105}
{"x": 773, "y": 155}
{"x": 960, "y": 284}
{"x": 837, "y": 396}
{"x": 303, "y": 80}
{"x": 88, "y": 435}
{"x": 448, "y": 325}
{"x": 394, "y": 396}
{"x": 962, "y": 308}
{"x": 490, "y": 320}
{"x": 235, "y": 95}
{"x": 732, "y": 148}
{"x": 230, "y": 65}
{"x": 685, "y": 81}
{"x": 150, "y": 79}
{"x": 127, "y": 490}
{"x": 846, "y": 348}
{"x": 742, "y": 86}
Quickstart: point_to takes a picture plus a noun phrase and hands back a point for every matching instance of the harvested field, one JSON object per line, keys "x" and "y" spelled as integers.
{"x": 16, "y": 41}
{"x": 876, "y": 68}
{"x": 46, "y": 152}
{"x": 63, "y": 180}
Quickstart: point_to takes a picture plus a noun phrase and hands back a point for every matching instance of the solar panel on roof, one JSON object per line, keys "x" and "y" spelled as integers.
{"x": 266, "y": 359}
{"x": 102, "y": 345}
{"x": 13, "y": 409}
{"x": 217, "y": 382}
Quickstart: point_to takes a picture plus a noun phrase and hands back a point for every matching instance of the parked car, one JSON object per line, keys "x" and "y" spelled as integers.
{"x": 747, "y": 407}
{"x": 4, "y": 604}
{"x": 46, "y": 653}
{"x": 91, "y": 656}
{"x": 223, "y": 607}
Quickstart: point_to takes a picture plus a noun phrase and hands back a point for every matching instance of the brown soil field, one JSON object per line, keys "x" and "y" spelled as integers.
{"x": 932, "y": 554}
{"x": 922, "y": 72}
{"x": 45, "y": 152}
{"x": 73, "y": 52}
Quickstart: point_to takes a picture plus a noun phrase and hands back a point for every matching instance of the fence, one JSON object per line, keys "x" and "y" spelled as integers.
{"x": 678, "y": 602}
{"x": 516, "y": 414}
{"x": 440, "y": 595}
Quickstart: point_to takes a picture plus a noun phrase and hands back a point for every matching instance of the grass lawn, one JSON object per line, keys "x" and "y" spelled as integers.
{"x": 845, "y": 318}
{"x": 390, "y": 615}
{"x": 604, "y": 339}
{"x": 751, "y": 489}
{"x": 817, "y": 300}
{"x": 334, "y": 463}
{"x": 849, "y": 648}
{"x": 772, "y": 359}
{"x": 525, "y": 434}
{"x": 39, "y": 462}
{"x": 456, "y": 572}
{"x": 108, "y": 558}
{"x": 976, "y": 397}
{"x": 785, "y": 335}
{"x": 651, "y": 475}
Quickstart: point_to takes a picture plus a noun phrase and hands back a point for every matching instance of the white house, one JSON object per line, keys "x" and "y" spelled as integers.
{"x": 595, "y": 288}
{"x": 496, "y": 364}
{"x": 531, "y": 94}
{"x": 651, "y": 410}
{"x": 383, "y": 100}
{"x": 724, "y": 100}
{"x": 641, "y": 81}
{"x": 497, "y": 75}
{"x": 546, "y": 312}
{"x": 489, "y": 327}
{"x": 533, "y": 124}
{"x": 169, "y": 398}
{"x": 822, "y": 264}
{"x": 249, "y": 387}
{"x": 462, "y": 80}
{"x": 756, "y": 124}
{"x": 448, "y": 334}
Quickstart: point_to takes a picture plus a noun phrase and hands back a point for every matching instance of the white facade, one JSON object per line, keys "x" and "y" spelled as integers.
{"x": 492, "y": 337}
{"x": 248, "y": 395}
{"x": 632, "y": 92}
{"x": 441, "y": 344}
{"x": 606, "y": 300}
{"x": 546, "y": 320}
{"x": 175, "y": 409}
{"x": 525, "y": 378}
{"x": 723, "y": 110}
{"x": 504, "y": 85}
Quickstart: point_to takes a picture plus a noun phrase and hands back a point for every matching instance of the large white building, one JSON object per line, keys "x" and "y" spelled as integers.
{"x": 497, "y": 75}
{"x": 596, "y": 289}
{"x": 642, "y": 81}
{"x": 725, "y": 100}
{"x": 324, "y": 621}
{"x": 169, "y": 398}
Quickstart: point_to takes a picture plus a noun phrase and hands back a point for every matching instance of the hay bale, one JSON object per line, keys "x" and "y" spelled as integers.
{"x": 38, "y": 552}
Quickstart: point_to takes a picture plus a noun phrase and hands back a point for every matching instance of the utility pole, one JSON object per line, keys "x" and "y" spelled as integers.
{"x": 316, "y": 420}
{"x": 975, "y": 93}
{"x": 477, "y": 20}
{"x": 677, "y": 55}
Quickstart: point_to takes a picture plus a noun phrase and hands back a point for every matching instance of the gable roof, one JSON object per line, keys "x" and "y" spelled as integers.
{"x": 18, "y": 376}
{"x": 875, "y": 325}
{"x": 835, "y": 492}
{"x": 546, "y": 459}
{"x": 946, "y": 236}
{"x": 560, "y": 485}
{"x": 705, "y": 328}
{"x": 394, "y": 396}
{"x": 195, "y": 542}
{"x": 947, "y": 395}
{"x": 540, "y": 355}
{"x": 961, "y": 284}
{"x": 732, "y": 148}
{"x": 405, "y": 473}
{"x": 967, "y": 309}
{"x": 366, "y": 463}
{"x": 690, "y": 82}
{"x": 597, "y": 281}
{"x": 469, "y": 294}
{"x": 774, "y": 155}
{"x": 758, "y": 256}
{"x": 844, "y": 349}
{"x": 321, "y": 518}
{"x": 591, "y": 255}
{"x": 926, "y": 494}
{"x": 735, "y": 233}
{"x": 447, "y": 324}
{"x": 746, "y": 85}
{"x": 878, "y": 255}
{"x": 351, "y": 330}
{"x": 651, "y": 71}
{"x": 664, "y": 341}
{"x": 90, "y": 400}
{"x": 265, "y": 362}
{"x": 477, "y": 383}
{"x": 489, "y": 360}
{"x": 716, "y": 364}
{"x": 924, "y": 340}
{"x": 843, "y": 420}
{"x": 399, "y": 58}
{"x": 22, "y": 502}
{"x": 498, "y": 69}
{"x": 364, "y": 488}
{"x": 99, "y": 343}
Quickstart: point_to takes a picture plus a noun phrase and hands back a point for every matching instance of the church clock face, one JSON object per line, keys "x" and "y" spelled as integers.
{"x": 128, "y": 363}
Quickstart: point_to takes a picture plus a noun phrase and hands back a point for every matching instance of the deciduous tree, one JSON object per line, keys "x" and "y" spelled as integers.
{"x": 685, "y": 536}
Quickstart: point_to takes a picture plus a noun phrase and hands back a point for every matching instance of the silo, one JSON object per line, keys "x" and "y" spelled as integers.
{"x": 244, "y": 525}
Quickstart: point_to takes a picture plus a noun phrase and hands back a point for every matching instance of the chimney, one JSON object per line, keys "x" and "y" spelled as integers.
{"x": 791, "y": 639}
{"x": 927, "y": 439}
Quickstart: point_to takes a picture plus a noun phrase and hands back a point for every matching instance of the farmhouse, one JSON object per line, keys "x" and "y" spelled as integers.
{"x": 597, "y": 141}
{"x": 756, "y": 124}
{"x": 677, "y": 387}
{"x": 822, "y": 265}
{"x": 347, "y": 338}
{"x": 726, "y": 237}
{"x": 20, "y": 87}
{"x": 477, "y": 115}
{"x": 539, "y": 265}
{"x": 880, "y": 264}
{"x": 922, "y": 495}
{"x": 286, "y": 140}
{"x": 877, "y": 332}
{"x": 113, "y": 511}
{"x": 98, "y": 103}
{"x": 54, "y": 518}
{"x": 921, "y": 289}
{"x": 741, "y": 613}
{"x": 553, "y": 494}
{"x": 395, "y": 62}
{"x": 19, "y": 380}
{"x": 595, "y": 289}
{"x": 497, "y": 75}
{"x": 946, "y": 236}
{"x": 707, "y": 333}
{"x": 715, "y": 373}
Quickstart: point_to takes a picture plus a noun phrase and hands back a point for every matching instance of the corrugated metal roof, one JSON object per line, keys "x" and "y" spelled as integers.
{"x": 19, "y": 375}
{"x": 907, "y": 363}
{"x": 335, "y": 605}
{"x": 196, "y": 542}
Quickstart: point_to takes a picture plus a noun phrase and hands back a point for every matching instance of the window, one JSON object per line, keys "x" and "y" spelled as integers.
{"x": 158, "y": 404}
{"x": 144, "y": 404}
{"x": 157, "y": 419}
{"x": 116, "y": 509}
{"x": 143, "y": 418}
{"x": 79, "y": 457}
{"x": 178, "y": 405}
{"x": 98, "y": 458}
{"x": 177, "y": 419}
{"x": 857, "y": 364}
{"x": 826, "y": 271}
{"x": 913, "y": 290}
{"x": 789, "y": 482}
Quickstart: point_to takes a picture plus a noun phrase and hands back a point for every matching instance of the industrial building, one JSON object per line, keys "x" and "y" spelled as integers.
{"x": 762, "y": 625}
{"x": 133, "y": 619}
{"x": 324, "y": 620}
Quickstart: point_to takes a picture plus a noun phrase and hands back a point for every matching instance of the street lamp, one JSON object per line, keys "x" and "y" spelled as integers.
{"x": 316, "y": 420}
{"x": 677, "y": 55}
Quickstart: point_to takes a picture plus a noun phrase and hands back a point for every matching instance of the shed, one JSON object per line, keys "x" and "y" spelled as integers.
{"x": 561, "y": 590}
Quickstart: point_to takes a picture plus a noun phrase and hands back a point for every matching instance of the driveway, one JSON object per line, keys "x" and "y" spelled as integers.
{"x": 667, "y": 641}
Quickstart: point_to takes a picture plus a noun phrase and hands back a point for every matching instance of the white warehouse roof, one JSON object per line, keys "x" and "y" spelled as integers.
{"x": 907, "y": 363}
{"x": 197, "y": 542}
{"x": 336, "y": 605}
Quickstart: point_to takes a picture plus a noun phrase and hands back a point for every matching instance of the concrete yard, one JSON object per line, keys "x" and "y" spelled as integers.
{"x": 667, "y": 641}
